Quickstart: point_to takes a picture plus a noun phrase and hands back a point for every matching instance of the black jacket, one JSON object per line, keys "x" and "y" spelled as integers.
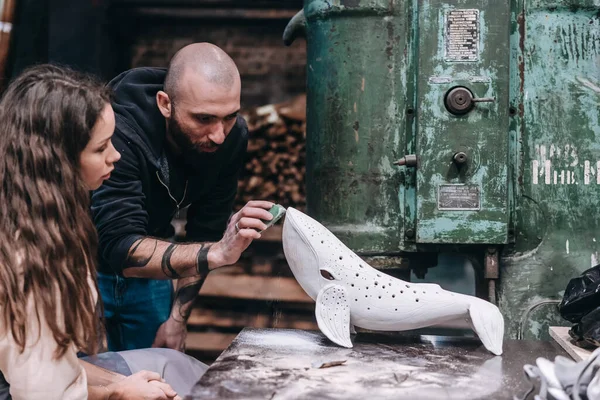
{"x": 149, "y": 186}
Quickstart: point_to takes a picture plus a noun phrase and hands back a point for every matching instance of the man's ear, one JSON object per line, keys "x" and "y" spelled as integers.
{"x": 164, "y": 103}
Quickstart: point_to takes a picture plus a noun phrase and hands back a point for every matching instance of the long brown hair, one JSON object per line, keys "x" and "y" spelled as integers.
{"x": 48, "y": 243}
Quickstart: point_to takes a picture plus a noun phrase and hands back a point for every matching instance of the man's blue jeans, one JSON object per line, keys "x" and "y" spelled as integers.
{"x": 134, "y": 309}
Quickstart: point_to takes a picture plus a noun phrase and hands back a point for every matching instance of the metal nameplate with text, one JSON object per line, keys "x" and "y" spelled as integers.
{"x": 462, "y": 35}
{"x": 458, "y": 198}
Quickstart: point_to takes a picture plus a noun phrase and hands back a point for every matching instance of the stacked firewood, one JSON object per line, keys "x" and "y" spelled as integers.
{"x": 276, "y": 160}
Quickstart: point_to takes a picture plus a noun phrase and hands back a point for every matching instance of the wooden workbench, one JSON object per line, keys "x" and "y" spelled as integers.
{"x": 283, "y": 364}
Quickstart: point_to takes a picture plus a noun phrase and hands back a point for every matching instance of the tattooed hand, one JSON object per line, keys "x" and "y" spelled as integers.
{"x": 171, "y": 335}
{"x": 244, "y": 226}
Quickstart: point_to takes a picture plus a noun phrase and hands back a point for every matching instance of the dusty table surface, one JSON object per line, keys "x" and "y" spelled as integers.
{"x": 282, "y": 364}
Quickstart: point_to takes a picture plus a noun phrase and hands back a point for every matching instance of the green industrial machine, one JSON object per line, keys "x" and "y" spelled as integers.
{"x": 467, "y": 126}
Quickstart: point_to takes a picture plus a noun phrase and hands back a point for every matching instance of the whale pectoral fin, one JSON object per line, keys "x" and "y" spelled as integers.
{"x": 333, "y": 314}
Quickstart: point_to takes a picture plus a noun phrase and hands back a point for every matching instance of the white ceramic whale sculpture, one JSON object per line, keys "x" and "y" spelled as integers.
{"x": 349, "y": 292}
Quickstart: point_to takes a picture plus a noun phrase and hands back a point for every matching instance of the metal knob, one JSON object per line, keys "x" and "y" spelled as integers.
{"x": 460, "y": 100}
{"x": 409, "y": 160}
{"x": 460, "y": 158}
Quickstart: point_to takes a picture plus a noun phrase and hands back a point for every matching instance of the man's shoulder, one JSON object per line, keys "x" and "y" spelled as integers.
{"x": 242, "y": 126}
{"x": 240, "y": 138}
{"x": 138, "y": 119}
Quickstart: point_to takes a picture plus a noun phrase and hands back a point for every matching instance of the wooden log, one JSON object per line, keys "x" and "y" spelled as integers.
{"x": 7, "y": 19}
{"x": 276, "y": 155}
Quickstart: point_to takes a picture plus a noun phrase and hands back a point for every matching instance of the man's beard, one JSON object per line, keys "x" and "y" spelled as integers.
{"x": 192, "y": 153}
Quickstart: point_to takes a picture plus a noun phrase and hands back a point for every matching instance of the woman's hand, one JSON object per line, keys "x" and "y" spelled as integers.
{"x": 143, "y": 385}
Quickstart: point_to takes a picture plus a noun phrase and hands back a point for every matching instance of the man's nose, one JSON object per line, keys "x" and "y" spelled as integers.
{"x": 217, "y": 135}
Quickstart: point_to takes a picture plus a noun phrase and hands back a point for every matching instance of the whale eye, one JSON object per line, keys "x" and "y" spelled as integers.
{"x": 327, "y": 275}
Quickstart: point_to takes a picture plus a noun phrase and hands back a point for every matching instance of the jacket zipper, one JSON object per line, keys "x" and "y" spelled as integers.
{"x": 177, "y": 204}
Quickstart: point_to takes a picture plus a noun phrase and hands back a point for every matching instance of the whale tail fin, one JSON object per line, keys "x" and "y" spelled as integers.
{"x": 488, "y": 324}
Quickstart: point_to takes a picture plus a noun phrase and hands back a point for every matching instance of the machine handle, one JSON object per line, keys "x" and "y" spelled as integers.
{"x": 460, "y": 100}
{"x": 295, "y": 28}
{"x": 409, "y": 160}
{"x": 484, "y": 100}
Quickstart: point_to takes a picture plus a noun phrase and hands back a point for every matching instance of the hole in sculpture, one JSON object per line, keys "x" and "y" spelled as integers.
{"x": 327, "y": 275}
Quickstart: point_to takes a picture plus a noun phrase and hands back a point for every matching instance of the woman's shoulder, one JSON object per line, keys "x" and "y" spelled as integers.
{"x": 36, "y": 372}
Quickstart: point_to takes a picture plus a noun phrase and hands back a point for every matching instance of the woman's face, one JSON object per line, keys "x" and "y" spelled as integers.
{"x": 98, "y": 158}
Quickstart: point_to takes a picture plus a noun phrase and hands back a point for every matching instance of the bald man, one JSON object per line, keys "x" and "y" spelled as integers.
{"x": 182, "y": 144}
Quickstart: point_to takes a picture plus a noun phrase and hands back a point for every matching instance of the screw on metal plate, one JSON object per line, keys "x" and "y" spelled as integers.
{"x": 409, "y": 160}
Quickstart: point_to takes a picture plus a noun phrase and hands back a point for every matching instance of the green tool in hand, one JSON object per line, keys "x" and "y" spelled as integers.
{"x": 277, "y": 212}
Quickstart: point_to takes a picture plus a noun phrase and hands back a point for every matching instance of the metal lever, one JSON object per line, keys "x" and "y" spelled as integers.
{"x": 460, "y": 100}
{"x": 409, "y": 160}
{"x": 484, "y": 100}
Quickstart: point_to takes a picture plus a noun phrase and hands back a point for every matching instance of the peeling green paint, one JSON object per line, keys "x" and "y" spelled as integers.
{"x": 357, "y": 84}
{"x": 377, "y": 77}
{"x": 481, "y": 134}
{"x": 555, "y": 67}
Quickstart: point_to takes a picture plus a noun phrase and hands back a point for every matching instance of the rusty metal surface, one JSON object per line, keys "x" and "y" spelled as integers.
{"x": 357, "y": 67}
{"x": 555, "y": 137}
{"x": 467, "y": 43}
{"x": 377, "y": 74}
{"x": 283, "y": 364}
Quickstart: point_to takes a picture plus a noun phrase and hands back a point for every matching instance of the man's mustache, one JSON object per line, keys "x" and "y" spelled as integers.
{"x": 206, "y": 146}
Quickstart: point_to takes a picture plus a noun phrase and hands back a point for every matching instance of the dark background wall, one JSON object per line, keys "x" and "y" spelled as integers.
{"x": 107, "y": 37}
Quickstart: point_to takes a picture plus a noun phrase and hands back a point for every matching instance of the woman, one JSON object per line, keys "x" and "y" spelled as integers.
{"x": 54, "y": 147}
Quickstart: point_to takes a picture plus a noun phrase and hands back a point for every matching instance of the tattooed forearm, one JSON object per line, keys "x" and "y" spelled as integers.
{"x": 202, "y": 259}
{"x": 187, "y": 290}
{"x": 141, "y": 259}
{"x": 159, "y": 259}
{"x": 166, "y": 262}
